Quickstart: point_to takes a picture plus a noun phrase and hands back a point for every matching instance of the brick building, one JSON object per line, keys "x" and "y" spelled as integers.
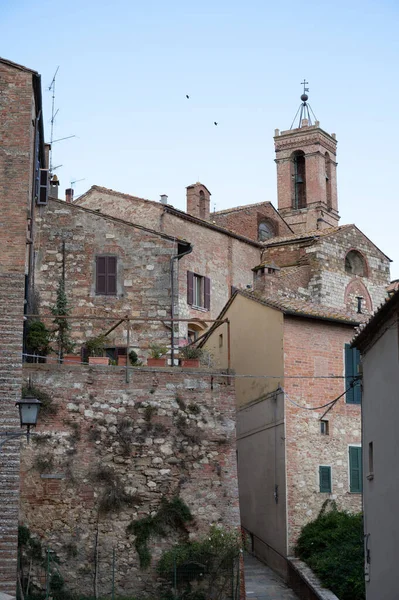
{"x": 23, "y": 184}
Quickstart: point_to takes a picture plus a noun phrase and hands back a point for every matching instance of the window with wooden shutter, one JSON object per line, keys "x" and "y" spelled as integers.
{"x": 355, "y": 469}
{"x": 106, "y": 273}
{"x": 352, "y": 362}
{"x": 207, "y": 293}
{"x": 42, "y": 197}
{"x": 325, "y": 480}
{"x": 190, "y": 287}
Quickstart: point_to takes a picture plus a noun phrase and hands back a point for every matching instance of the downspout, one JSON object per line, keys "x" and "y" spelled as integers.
{"x": 172, "y": 290}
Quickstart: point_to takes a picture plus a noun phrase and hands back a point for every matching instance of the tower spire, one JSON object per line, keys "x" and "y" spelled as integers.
{"x": 305, "y": 110}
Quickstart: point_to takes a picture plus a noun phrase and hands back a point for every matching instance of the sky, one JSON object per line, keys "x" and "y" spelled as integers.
{"x": 125, "y": 68}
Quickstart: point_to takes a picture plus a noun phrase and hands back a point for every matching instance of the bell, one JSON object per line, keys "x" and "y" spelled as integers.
{"x": 298, "y": 179}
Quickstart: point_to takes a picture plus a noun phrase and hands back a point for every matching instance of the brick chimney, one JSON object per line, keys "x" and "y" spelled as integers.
{"x": 266, "y": 279}
{"x": 198, "y": 201}
{"x": 54, "y": 185}
{"x": 69, "y": 195}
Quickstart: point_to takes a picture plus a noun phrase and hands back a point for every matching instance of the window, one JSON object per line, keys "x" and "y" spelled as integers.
{"x": 370, "y": 474}
{"x": 265, "y": 231}
{"x": 355, "y": 469}
{"x": 324, "y": 428}
{"x": 221, "y": 340}
{"x": 198, "y": 291}
{"x": 106, "y": 269}
{"x": 355, "y": 264}
{"x": 328, "y": 181}
{"x": 352, "y": 362}
{"x": 325, "y": 480}
{"x": 298, "y": 172}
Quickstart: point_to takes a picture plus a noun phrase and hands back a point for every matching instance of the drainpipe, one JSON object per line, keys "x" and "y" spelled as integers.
{"x": 172, "y": 289}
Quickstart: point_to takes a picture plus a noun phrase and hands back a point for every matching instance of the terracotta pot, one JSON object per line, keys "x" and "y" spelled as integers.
{"x": 98, "y": 360}
{"x": 72, "y": 358}
{"x": 122, "y": 361}
{"x": 190, "y": 363}
{"x": 156, "y": 362}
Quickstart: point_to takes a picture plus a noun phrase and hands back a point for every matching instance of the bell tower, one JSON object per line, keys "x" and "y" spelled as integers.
{"x": 307, "y": 172}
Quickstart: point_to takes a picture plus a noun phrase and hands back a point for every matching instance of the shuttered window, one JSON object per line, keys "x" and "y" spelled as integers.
{"x": 352, "y": 362}
{"x": 198, "y": 291}
{"x": 106, "y": 270}
{"x": 325, "y": 479}
{"x": 355, "y": 469}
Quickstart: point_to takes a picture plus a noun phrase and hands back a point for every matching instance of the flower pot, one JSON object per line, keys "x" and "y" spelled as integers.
{"x": 190, "y": 363}
{"x": 72, "y": 358}
{"x": 122, "y": 361}
{"x": 156, "y": 362}
{"x": 98, "y": 360}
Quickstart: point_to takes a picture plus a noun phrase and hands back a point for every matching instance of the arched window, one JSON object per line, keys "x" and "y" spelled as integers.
{"x": 265, "y": 231}
{"x": 355, "y": 264}
{"x": 328, "y": 180}
{"x": 202, "y": 212}
{"x": 298, "y": 174}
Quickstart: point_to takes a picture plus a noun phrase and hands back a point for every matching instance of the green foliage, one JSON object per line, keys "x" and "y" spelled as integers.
{"x": 38, "y": 338}
{"x": 60, "y": 311}
{"x": 113, "y": 497}
{"x": 43, "y": 463}
{"x": 172, "y": 514}
{"x": 190, "y": 352}
{"x": 95, "y": 346}
{"x": 202, "y": 568}
{"x": 194, "y": 408}
{"x": 133, "y": 358}
{"x": 157, "y": 351}
{"x": 148, "y": 413}
{"x": 180, "y": 402}
{"x": 332, "y": 546}
{"x": 47, "y": 407}
{"x": 124, "y": 430}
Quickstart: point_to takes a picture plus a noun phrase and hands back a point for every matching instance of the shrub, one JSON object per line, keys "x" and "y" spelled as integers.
{"x": 190, "y": 352}
{"x": 332, "y": 546}
{"x": 38, "y": 339}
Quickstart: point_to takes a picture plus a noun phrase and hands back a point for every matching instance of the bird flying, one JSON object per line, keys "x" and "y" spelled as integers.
{"x": 214, "y": 123}
{"x": 187, "y": 96}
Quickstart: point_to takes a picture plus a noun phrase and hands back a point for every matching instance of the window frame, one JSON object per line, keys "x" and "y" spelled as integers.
{"x": 107, "y": 275}
{"x": 205, "y": 291}
{"x": 353, "y": 489}
{"x": 325, "y": 491}
{"x": 269, "y": 227}
{"x": 351, "y": 364}
{"x": 326, "y": 424}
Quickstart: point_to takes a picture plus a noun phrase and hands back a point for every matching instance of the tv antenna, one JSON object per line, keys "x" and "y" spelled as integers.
{"x": 77, "y": 181}
{"x": 51, "y": 88}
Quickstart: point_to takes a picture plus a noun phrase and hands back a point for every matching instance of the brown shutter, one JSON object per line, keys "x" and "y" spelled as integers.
{"x": 101, "y": 275}
{"x": 111, "y": 275}
{"x": 190, "y": 287}
{"x": 207, "y": 293}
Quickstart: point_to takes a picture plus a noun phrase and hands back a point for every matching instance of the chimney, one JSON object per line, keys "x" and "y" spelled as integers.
{"x": 266, "y": 279}
{"x": 164, "y": 199}
{"x": 198, "y": 201}
{"x": 54, "y": 185}
{"x": 69, "y": 195}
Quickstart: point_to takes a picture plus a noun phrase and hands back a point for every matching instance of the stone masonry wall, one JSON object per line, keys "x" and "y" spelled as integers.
{"x": 16, "y": 136}
{"x": 165, "y": 433}
{"x": 143, "y": 273}
{"x": 315, "y": 349}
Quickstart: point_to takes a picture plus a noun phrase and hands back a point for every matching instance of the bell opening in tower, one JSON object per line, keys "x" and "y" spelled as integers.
{"x": 298, "y": 180}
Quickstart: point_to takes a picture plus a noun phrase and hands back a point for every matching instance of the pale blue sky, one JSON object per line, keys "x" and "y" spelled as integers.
{"x": 126, "y": 67}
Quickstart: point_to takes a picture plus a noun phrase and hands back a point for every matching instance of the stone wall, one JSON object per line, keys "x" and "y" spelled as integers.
{"x": 16, "y": 134}
{"x": 165, "y": 433}
{"x": 143, "y": 273}
{"x": 313, "y": 350}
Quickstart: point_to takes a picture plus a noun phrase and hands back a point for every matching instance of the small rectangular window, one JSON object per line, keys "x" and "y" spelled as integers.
{"x": 370, "y": 474}
{"x": 355, "y": 469}
{"x": 352, "y": 383}
{"x": 325, "y": 479}
{"x": 324, "y": 428}
{"x": 106, "y": 272}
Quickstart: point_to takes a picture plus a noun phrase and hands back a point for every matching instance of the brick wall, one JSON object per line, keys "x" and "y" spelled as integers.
{"x": 143, "y": 273}
{"x": 181, "y": 440}
{"x": 245, "y": 220}
{"x": 16, "y": 134}
{"x": 316, "y": 349}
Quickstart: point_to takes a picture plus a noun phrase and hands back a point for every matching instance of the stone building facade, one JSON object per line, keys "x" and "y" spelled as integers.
{"x": 71, "y": 240}
{"x": 165, "y": 434}
{"x": 22, "y": 154}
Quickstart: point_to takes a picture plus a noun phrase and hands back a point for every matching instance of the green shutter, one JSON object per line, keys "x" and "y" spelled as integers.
{"x": 355, "y": 469}
{"x": 352, "y": 362}
{"x": 325, "y": 479}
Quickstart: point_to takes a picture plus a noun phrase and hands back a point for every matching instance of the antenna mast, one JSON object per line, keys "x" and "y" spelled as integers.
{"x": 54, "y": 112}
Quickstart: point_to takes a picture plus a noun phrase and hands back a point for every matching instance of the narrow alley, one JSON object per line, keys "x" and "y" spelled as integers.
{"x": 262, "y": 583}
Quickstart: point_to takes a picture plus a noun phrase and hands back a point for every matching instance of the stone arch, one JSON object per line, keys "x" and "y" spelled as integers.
{"x": 354, "y": 290}
{"x": 356, "y": 263}
{"x": 266, "y": 230}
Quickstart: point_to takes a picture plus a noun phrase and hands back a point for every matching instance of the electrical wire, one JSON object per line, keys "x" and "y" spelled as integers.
{"x": 355, "y": 378}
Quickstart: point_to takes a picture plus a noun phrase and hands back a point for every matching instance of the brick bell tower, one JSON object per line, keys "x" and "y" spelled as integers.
{"x": 307, "y": 173}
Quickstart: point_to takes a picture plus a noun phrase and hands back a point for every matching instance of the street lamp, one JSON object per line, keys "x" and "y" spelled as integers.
{"x": 28, "y": 413}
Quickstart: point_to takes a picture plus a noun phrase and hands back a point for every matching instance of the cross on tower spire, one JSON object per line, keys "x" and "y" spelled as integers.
{"x": 304, "y": 110}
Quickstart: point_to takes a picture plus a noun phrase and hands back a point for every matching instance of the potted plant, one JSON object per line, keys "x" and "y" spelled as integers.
{"x": 190, "y": 356}
{"x": 134, "y": 359}
{"x": 157, "y": 353}
{"x": 95, "y": 348}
